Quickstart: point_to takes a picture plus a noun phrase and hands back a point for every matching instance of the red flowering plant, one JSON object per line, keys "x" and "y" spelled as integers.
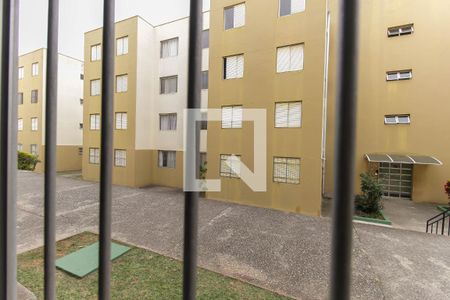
{"x": 447, "y": 190}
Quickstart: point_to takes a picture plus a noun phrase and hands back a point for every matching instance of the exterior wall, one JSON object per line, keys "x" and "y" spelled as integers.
{"x": 123, "y": 102}
{"x": 425, "y": 97}
{"x": 262, "y": 87}
{"x": 69, "y": 109}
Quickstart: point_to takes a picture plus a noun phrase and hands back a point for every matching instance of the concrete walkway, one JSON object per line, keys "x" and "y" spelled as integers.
{"x": 284, "y": 252}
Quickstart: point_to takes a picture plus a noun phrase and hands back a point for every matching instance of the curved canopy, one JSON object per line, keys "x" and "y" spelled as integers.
{"x": 403, "y": 159}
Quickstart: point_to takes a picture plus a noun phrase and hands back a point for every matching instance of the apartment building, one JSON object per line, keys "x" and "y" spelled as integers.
{"x": 31, "y": 111}
{"x": 281, "y": 55}
{"x": 268, "y": 55}
{"x": 403, "y": 96}
{"x": 150, "y": 97}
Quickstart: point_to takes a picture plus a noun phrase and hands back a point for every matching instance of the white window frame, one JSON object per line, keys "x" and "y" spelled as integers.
{"x": 121, "y": 120}
{"x": 297, "y": 6}
{"x": 400, "y": 30}
{"x": 239, "y": 16}
{"x": 21, "y": 73}
{"x": 286, "y": 164}
{"x": 96, "y": 52}
{"x": 20, "y": 124}
{"x": 171, "y": 159}
{"x": 234, "y": 61}
{"x": 397, "y": 119}
{"x": 293, "y": 65}
{"x": 122, "y": 46}
{"x": 34, "y": 124}
{"x": 399, "y": 75}
{"x": 95, "y": 87}
{"x": 171, "y": 124}
{"x": 94, "y": 121}
{"x": 235, "y": 120}
{"x": 227, "y": 171}
{"x": 120, "y": 158}
{"x": 35, "y": 69}
{"x": 94, "y": 156}
{"x": 19, "y": 147}
{"x": 34, "y": 149}
{"x": 165, "y": 48}
{"x": 122, "y": 83}
{"x": 36, "y": 100}
{"x": 290, "y": 116}
{"x": 163, "y": 85}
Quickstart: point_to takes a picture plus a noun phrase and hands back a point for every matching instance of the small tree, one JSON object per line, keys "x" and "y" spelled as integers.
{"x": 26, "y": 161}
{"x": 447, "y": 190}
{"x": 370, "y": 199}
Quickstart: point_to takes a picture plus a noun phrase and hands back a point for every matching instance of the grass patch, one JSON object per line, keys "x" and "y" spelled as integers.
{"x": 376, "y": 215}
{"x": 378, "y": 218}
{"x": 139, "y": 274}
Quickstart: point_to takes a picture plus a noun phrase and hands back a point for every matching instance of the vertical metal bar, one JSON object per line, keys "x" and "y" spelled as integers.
{"x": 51, "y": 86}
{"x": 106, "y": 168}
{"x": 345, "y": 151}
{"x": 8, "y": 147}
{"x": 192, "y": 146}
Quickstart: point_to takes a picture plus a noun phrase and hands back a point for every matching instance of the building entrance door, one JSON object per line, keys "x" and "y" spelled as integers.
{"x": 396, "y": 180}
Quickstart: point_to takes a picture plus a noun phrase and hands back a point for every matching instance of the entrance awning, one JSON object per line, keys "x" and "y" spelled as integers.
{"x": 403, "y": 159}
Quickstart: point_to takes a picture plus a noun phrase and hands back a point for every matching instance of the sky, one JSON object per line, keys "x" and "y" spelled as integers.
{"x": 79, "y": 16}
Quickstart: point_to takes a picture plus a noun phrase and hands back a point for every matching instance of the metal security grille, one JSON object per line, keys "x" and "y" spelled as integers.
{"x": 396, "y": 180}
{"x": 345, "y": 133}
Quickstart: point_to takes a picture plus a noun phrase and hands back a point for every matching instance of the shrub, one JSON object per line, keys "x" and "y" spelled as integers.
{"x": 26, "y": 161}
{"x": 370, "y": 199}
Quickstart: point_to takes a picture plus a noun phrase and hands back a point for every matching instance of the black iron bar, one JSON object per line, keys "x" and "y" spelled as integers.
{"x": 192, "y": 153}
{"x": 8, "y": 148}
{"x": 51, "y": 86}
{"x": 106, "y": 156}
{"x": 345, "y": 151}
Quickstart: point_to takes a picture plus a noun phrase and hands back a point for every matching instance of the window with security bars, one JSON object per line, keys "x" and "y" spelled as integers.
{"x": 232, "y": 116}
{"x": 121, "y": 120}
{"x": 230, "y": 165}
{"x": 35, "y": 69}
{"x": 289, "y": 7}
{"x": 168, "y": 122}
{"x": 96, "y": 52}
{"x": 120, "y": 158}
{"x": 122, "y": 83}
{"x": 122, "y": 46}
{"x": 399, "y": 75}
{"x": 286, "y": 170}
{"x": 21, "y": 73}
{"x": 34, "y": 124}
{"x": 20, "y": 98}
{"x": 400, "y": 30}
{"x": 169, "y": 85}
{"x": 34, "y": 149}
{"x": 233, "y": 67}
{"x": 95, "y": 87}
{"x": 290, "y": 58}
{"x": 94, "y": 156}
{"x": 34, "y": 96}
{"x": 234, "y": 16}
{"x": 169, "y": 48}
{"x": 167, "y": 159}
{"x": 20, "y": 124}
{"x": 288, "y": 114}
{"x": 95, "y": 122}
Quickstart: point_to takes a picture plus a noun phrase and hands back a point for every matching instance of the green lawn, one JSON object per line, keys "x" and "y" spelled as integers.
{"x": 139, "y": 274}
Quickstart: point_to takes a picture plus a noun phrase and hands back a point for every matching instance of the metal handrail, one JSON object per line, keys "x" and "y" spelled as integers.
{"x": 441, "y": 217}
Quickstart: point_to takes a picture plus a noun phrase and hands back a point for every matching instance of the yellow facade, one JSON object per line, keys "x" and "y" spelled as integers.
{"x": 68, "y": 156}
{"x": 262, "y": 87}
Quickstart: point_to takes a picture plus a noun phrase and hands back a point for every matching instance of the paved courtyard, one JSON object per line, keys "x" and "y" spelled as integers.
{"x": 283, "y": 252}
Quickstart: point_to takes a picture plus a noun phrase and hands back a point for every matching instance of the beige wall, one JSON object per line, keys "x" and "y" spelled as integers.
{"x": 262, "y": 87}
{"x": 425, "y": 97}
